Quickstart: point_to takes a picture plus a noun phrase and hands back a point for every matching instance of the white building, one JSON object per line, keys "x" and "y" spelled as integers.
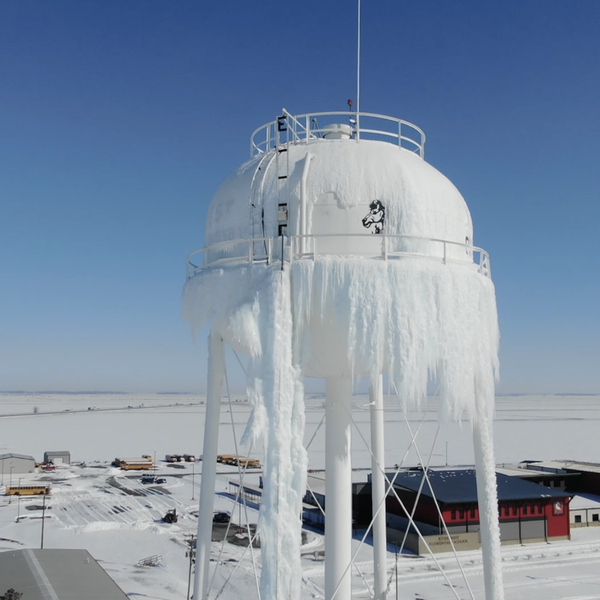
{"x": 584, "y": 511}
{"x": 58, "y": 457}
{"x": 15, "y": 463}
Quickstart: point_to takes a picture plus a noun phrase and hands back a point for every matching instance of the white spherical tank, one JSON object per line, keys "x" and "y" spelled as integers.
{"x": 343, "y": 188}
{"x": 337, "y": 252}
{"x": 328, "y": 193}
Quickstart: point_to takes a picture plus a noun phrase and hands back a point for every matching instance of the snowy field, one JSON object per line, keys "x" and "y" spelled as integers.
{"x": 116, "y": 518}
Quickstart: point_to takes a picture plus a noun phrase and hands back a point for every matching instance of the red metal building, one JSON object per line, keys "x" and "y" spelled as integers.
{"x": 527, "y": 511}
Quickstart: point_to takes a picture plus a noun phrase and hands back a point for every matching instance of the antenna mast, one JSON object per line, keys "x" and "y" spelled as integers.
{"x": 358, "y": 77}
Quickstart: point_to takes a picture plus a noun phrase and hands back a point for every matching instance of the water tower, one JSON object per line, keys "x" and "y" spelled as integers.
{"x": 337, "y": 252}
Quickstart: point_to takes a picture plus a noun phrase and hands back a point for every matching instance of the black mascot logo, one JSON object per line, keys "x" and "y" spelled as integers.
{"x": 375, "y": 217}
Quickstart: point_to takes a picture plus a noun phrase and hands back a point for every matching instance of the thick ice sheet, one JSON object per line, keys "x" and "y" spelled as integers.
{"x": 415, "y": 319}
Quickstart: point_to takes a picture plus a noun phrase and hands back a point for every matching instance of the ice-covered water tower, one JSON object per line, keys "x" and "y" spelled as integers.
{"x": 337, "y": 252}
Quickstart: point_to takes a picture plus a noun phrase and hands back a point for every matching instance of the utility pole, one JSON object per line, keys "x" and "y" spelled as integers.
{"x": 19, "y": 502}
{"x": 10, "y": 485}
{"x": 193, "y": 474}
{"x": 43, "y": 520}
{"x": 396, "y": 570}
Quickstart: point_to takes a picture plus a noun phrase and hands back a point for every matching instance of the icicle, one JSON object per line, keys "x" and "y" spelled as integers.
{"x": 415, "y": 319}
{"x": 277, "y": 394}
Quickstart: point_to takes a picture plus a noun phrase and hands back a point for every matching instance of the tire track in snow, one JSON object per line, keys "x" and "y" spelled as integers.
{"x": 514, "y": 561}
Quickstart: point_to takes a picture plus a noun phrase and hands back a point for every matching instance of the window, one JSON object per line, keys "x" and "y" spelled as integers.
{"x": 577, "y": 518}
{"x": 453, "y": 515}
{"x": 514, "y": 510}
{"x": 461, "y": 513}
{"x": 472, "y": 513}
{"x": 525, "y": 509}
{"x": 595, "y": 517}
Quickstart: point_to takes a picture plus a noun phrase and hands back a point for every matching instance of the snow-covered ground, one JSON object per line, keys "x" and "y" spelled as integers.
{"x": 115, "y": 517}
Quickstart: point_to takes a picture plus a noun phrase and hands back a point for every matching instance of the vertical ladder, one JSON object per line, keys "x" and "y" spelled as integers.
{"x": 282, "y": 169}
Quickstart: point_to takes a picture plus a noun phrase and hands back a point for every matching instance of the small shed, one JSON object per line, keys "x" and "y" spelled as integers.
{"x": 58, "y": 457}
{"x": 16, "y": 463}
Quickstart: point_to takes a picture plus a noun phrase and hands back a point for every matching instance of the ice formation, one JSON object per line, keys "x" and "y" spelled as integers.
{"x": 414, "y": 319}
{"x": 406, "y": 304}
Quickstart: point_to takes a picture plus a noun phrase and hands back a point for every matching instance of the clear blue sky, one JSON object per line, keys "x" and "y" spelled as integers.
{"x": 120, "y": 118}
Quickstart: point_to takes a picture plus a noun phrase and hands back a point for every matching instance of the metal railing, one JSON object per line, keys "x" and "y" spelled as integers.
{"x": 306, "y": 128}
{"x": 220, "y": 254}
{"x": 306, "y": 247}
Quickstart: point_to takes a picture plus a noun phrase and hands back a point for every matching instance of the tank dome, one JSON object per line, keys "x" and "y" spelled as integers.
{"x": 337, "y": 195}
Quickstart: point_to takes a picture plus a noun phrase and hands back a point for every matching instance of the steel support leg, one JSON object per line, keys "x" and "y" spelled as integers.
{"x": 378, "y": 488}
{"x": 338, "y": 490}
{"x": 487, "y": 497}
{"x": 216, "y": 367}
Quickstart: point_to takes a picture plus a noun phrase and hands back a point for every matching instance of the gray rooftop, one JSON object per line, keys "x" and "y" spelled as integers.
{"x": 315, "y": 480}
{"x": 11, "y": 455}
{"x": 565, "y": 465}
{"x": 56, "y": 574}
{"x": 584, "y": 501}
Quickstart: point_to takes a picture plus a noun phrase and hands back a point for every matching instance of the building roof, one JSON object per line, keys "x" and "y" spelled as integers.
{"x": 11, "y": 455}
{"x": 315, "y": 480}
{"x": 529, "y": 471}
{"x": 515, "y": 471}
{"x": 456, "y": 486}
{"x": 57, "y": 574}
{"x": 584, "y": 501}
{"x": 565, "y": 465}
